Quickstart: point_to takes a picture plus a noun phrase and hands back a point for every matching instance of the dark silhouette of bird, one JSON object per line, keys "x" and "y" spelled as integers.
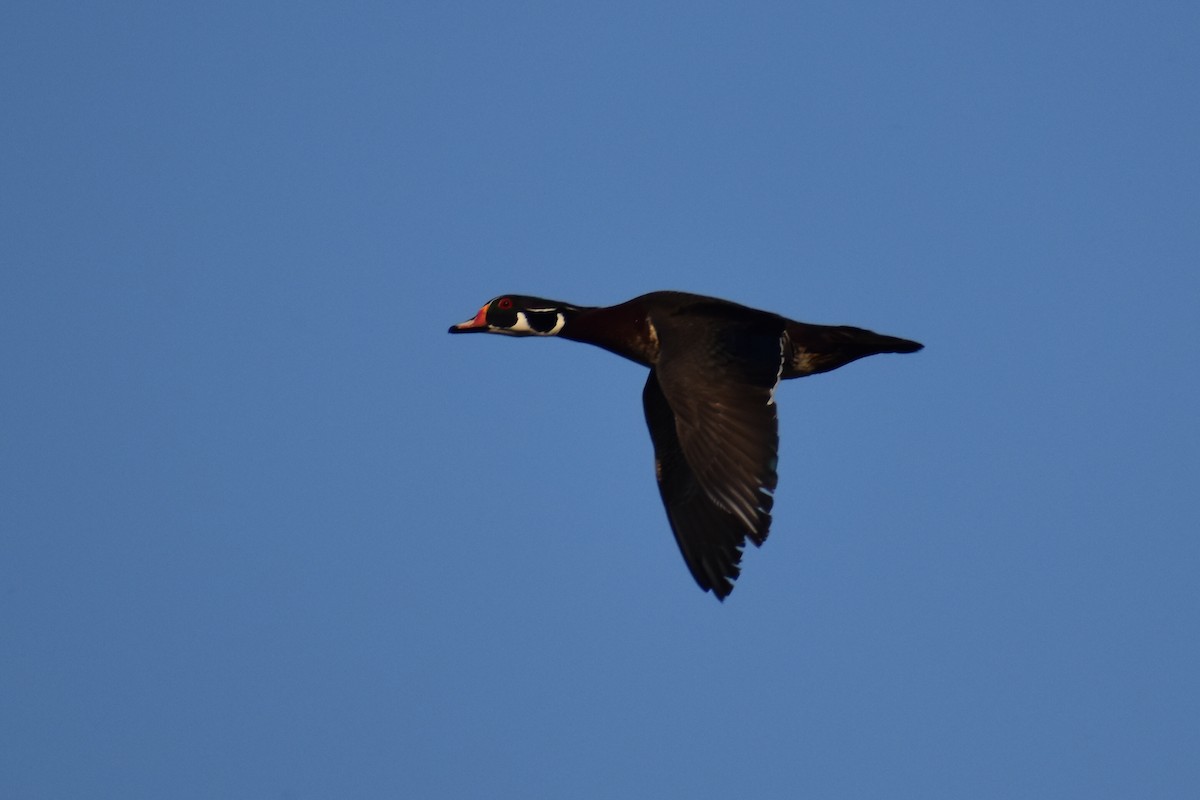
{"x": 709, "y": 401}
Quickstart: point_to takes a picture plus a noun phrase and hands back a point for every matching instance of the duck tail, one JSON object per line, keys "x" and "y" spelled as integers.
{"x": 821, "y": 348}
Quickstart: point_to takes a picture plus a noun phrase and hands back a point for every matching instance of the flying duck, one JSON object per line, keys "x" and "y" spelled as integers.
{"x": 709, "y": 401}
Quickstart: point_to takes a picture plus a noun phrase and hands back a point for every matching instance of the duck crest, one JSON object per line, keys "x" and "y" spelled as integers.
{"x": 518, "y": 315}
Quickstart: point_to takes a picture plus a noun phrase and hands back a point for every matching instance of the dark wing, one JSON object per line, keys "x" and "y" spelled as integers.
{"x": 710, "y": 409}
{"x": 709, "y": 537}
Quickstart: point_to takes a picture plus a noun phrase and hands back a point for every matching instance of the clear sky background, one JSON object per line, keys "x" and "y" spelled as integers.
{"x": 268, "y": 531}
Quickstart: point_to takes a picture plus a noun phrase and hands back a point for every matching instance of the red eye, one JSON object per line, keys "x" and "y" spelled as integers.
{"x": 504, "y": 304}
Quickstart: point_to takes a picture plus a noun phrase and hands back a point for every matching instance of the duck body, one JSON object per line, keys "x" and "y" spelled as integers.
{"x": 709, "y": 401}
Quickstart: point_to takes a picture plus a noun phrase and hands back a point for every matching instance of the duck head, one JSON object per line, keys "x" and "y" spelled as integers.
{"x": 518, "y": 315}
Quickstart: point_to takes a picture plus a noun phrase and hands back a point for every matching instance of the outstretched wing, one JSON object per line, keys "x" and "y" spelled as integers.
{"x": 710, "y": 409}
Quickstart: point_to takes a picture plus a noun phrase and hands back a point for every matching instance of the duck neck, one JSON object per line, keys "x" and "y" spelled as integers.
{"x": 623, "y": 329}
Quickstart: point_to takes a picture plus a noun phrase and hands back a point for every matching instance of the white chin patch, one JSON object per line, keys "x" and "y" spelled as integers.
{"x": 522, "y": 325}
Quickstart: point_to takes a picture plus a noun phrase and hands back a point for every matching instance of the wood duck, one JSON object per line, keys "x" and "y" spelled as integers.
{"x": 709, "y": 401}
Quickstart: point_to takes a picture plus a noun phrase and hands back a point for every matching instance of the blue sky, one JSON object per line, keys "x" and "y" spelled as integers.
{"x": 268, "y": 531}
